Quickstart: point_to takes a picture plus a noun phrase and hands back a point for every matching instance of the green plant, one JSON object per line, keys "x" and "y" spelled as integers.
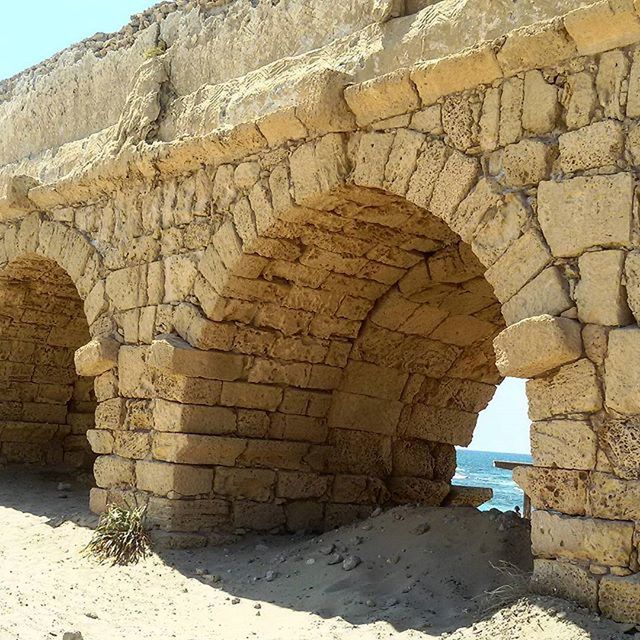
{"x": 153, "y": 52}
{"x": 120, "y": 537}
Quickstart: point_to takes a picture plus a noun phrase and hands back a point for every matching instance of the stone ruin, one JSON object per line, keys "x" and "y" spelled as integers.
{"x": 264, "y": 262}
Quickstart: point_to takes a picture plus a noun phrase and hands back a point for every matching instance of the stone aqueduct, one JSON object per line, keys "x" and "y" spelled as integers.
{"x": 282, "y": 321}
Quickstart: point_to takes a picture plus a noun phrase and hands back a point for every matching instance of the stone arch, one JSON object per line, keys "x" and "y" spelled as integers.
{"x": 48, "y": 279}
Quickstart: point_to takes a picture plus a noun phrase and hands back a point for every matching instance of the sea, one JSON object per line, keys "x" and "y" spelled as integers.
{"x": 475, "y": 468}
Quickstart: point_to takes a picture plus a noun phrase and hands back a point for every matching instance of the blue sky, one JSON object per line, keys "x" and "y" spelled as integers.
{"x": 32, "y": 31}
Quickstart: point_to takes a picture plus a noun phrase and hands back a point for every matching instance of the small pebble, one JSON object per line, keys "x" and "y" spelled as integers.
{"x": 370, "y": 603}
{"x": 376, "y": 512}
{"x": 310, "y": 561}
{"x": 350, "y": 562}
{"x": 64, "y": 486}
{"x": 235, "y": 600}
{"x": 335, "y": 558}
{"x": 423, "y": 527}
{"x": 72, "y": 635}
{"x": 327, "y": 549}
{"x": 270, "y": 576}
{"x": 257, "y": 605}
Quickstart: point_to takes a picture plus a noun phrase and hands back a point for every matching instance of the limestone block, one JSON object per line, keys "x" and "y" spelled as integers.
{"x": 622, "y": 371}
{"x": 14, "y": 196}
{"x": 541, "y": 107}
{"x": 428, "y": 120}
{"x": 95, "y": 304}
{"x": 602, "y": 26}
{"x": 189, "y": 418}
{"x": 402, "y": 161}
{"x": 598, "y": 210}
{"x": 200, "y": 332}
{"x": 248, "y": 484}
{"x": 371, "y": 160}
{"x": 110, "y": 414}
{"x": 598, "y": 145}
{"x": 463, "y": 330}
{"x": 455, "y": 73}
{"x": 613, "y": 498}
{"x": 619, "y": 598}
{"x": 373, "y": 380}
{"x": 600, "y": 294}
{"x": 558, "y": 489}
{"x": 595, "y": 338}
{"x": 511, "y": 101}
{"x": 250, "y": 396}
{"x": 383, "y": 97}
{"x": 132, "y": 444}
{"x": 567, "y": 444}
{"x": 547, "y": 293}
{"x": 161, "y": 478}
{"x": 523, "y": 260}
{"x": 364, "y": 413}
{"x": 438, "y": 424}
{"x": 525, "y": 163}
{"x": 565, "y": 580}
{"x": 428, "y": 168}
{"x": 484, "y": 198}
{"x": 272, "y": 454}
{"x": 429, "y": 493}
{"x": 113, "y": 471}
{"x": 258, "y": 516}
{"x": 293, "y": 427}
{"x": 176, "y": 356}
{"x": 127, "y": 288}
{"x": 294, "y": 485}
{"x": 536, "y": 345}
{"x": 490, "y": 120}
{"x": 586, "y": 539}
{"x": 187, "y": 515}
{"x": 180, "y": 274}
{"x": 580, "y": 99}
{"x": 502, "y": 227}
{"x": 96, "y": 357}
{"x": 101, "y": 440}
{"x": 573, "y": 389}
{"x": 612, "y": 75}
{"x": 464, "y": 496}
{"x": 280, "y": 126}
{"x": 188, "y": 448}
{"x": 98, "y": 500}
{"x": 633, "y": 95}
{"x": 536, "y": 46}
{"x": 458, "y": 176}
{"x": 632, "y": 278}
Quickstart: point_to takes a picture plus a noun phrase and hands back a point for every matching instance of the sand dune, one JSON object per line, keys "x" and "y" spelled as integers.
{"x": 419, "y": 573}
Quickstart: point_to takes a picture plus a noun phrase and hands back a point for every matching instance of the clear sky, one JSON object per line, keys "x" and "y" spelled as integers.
{"x": 504, "y": 426}
{"x": 32, "y": 30}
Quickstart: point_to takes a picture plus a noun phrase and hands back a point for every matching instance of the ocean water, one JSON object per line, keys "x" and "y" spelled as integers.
{"x": 476, "y": 468}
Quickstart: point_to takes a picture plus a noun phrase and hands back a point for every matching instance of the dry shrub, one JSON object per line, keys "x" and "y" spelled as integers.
{"x": 120, "y": 537}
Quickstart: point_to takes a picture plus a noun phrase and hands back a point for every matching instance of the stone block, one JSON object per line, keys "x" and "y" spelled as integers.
{"x": 567, "y": 444}
{"x": 537, "y": 345}
{"x": 110, "y": 414}
{"x": 455, "y": 73}
{"x": 276, "y": 454}
{"x": 98, "y": 500}
{"x": 465, "y": 496}
{"x": 246, "y": 484}
{"x": 176, "y": 356}
{"x": 522, "y": 261}
{"x": 200, "y": 332}
{"x": 548, "y": 293}
{"x": 197, "y": 449}
{"x": 533, "y": 47}
{"x": 251, "y": 396}
{"x": 101, "y": 440}
{"x": 189, "y": 418}
{"x": 598, "y": 210}
{"x": 428, "y": 493}
{"x": 304, "y": 516}
{"x": 574, "y": 388}
{"x": 600, "y": 294}
{"x": 161, "y": 478}
{"x": 302, "y": 486}
{"x": 541, "y": 107}
{"x": 132, "y": 444}
{"x": 602, "y": 26}
{"x": 438, "y": 424}
{"x": 558, "y": 489}
{"x": 259, "y": 516}
{"x": 383, "y": 97}
{"x": 364, "y": 413}
{"x": 565, "y": 580}
{"x": 613, "y": 498}
{"x": 598, "y": 145}
{"x": 619, "y": 598}
{"x": 96, "y": 357}
{"x": 632, "y": 281}
{"x": 187, "y": 515}
{"x": 583, "y": 539}
{"x": 524, "y": 163}
{"x": 622, "y": 370}
{"x": 113, "y": 471}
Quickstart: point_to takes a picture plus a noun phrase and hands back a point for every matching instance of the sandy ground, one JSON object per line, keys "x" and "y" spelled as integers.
{"x": 424, "y": 573}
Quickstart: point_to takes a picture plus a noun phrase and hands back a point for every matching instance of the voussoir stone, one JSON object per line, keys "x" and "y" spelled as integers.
{"x": 96, "y": 357}
{"x": 536, "y": 345}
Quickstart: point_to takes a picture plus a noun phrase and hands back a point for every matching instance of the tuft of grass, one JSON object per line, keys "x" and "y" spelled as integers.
{"x": 153, "y": 52}
{"x": 120, "y": 537}
{"x": 517, "y": 585}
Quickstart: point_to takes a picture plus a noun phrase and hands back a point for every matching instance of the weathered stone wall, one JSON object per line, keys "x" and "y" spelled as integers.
{"x": 296, "y": 318}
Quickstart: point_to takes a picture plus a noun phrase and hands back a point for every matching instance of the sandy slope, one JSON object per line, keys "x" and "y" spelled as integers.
{"x": 424, "y": 573}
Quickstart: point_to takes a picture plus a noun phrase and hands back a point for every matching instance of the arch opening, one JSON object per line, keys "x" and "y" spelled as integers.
{"x": 46, "y": 409}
